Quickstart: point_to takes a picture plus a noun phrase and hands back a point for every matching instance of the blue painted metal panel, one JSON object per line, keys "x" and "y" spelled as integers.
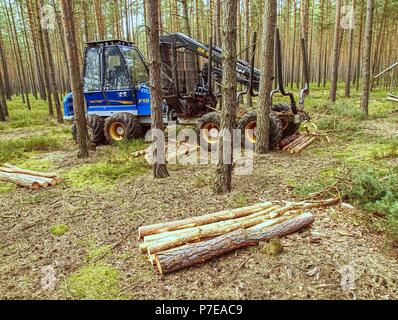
{"x": 143, "y": 95}
{"x": 68, "y": 105}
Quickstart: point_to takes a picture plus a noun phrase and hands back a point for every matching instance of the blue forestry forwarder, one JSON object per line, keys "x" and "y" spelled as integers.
{"x": 117, "y": 96}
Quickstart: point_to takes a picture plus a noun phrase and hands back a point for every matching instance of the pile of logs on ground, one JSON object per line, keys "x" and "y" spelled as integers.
{"x": 298, "y": 142}
{"x": 177, "y": 150}
{"x": 179, "y": 244}
{"x": 28, "y": 178}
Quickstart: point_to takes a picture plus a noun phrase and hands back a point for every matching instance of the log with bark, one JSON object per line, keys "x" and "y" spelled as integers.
{"x": 19, "y": 180}
{"x": 26, "y": 178}
{"x": 201, "y": 220}
{"x": 167, "y": 240}
{"x": 196, "y": 253}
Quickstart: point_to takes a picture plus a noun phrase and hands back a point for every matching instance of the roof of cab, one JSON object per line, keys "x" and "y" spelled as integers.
{"x": 109, "y": 43}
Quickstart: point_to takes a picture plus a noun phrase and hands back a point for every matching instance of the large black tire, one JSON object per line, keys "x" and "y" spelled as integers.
{"x": 95, "y": 127}
{"x": 210, "y": 121}
{"x": 249, "y": 121}
{"x": 291, "y": 127}
{"x": 122, "y": 127}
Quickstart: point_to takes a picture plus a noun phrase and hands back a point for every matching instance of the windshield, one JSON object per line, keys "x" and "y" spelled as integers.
{"x": 138, "y": 71}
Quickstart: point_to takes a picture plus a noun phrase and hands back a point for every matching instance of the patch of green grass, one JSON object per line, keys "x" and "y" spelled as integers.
{"x": 240, "y": 199}
{"x": 21, "y": 117}
{"x": 113, "y": 164}
{"x": 94, "y": 282}
{"x": 16, "y": 149}
{"x": 7, "y": 187}
{"x": 96, "y": 252}
{"x": 59, "y": 229}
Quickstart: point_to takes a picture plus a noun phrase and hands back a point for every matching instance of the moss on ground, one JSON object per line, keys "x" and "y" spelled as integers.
{"x": 112, "y": 164}
{"x": 59, "y": 229}
{"x": 94, "y": 282}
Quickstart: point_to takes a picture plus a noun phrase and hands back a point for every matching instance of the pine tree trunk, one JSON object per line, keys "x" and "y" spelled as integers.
{"x": 51, "y": 71}
{"x": 44, "y": 62}
{"x": 4, "y": 63}
{"x": 223, "y": 180}
{"x": 335, "y": 59}
{"x": 358, "y": 67}
{"x": 152, "y": 20}
{"x": 267, "y": 74}
{"x": 187, "y": 27}
{"x": 320, "y": 44}
{"x": 74, "y": 76}
{"x": 99, "y": 19}
{"x": 349, "y": 62}
{"x": 366, "y": 57}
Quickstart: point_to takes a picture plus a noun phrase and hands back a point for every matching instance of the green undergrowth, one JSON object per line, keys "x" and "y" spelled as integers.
{"x": 373, "y": 189}
{"x": 110, "y": 164}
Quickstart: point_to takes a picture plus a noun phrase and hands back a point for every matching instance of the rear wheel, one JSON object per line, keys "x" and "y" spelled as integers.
{"x": 208, "y": 128}
{"x": 122, "y": 127}
{"x": 95, "y": 129}
{"x": 248, "y": 124}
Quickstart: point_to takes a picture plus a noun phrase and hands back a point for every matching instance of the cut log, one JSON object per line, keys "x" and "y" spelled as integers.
{"x": 180, "y": 237}
{"x": 304, "y": 145}
{"x": 47, "y": 181}
{"x": 19, "y": 180}
{"x": 288, "y": 140}
{"x": 302, "y": 142}
{"x": 30, "y": 172}
{"x": 175, "y": 238}
{"x": 192, "y": 254}
{"x": 294, "y": 143}
{"x": 211, "y": 230}
{"x": 43, "y": 182}
{"x": 201, "y": 220}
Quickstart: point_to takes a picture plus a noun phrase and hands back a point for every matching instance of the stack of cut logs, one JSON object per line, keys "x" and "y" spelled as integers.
{"x": 296, "y": 143}
{"x": 179, "y": 244}
{"x": 28, "y": 178}
{"x": 176, "y": 150}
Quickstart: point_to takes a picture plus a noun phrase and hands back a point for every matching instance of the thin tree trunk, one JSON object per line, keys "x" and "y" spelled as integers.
{"x": 187, "y": 27}
{"x": 44, "y": 61}
{"x": 152, "y": 20}
{"x": 74, "y": 75}
{"x": 358, "y": 68}
{"x": 335, "y": 59}
{"x": 349, "y": 62}
{"x": 267, "y": 74}
{"x": 51, "y": 71}
{"x": 366, "y": 57}
{"x": 24, "y": 87}
{"x": 223, "y": 180}
{"x": 99, "y": 19}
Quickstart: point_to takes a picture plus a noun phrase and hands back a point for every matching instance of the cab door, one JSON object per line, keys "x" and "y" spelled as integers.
{"x": 92, "y": 82}
{"x": 139, "y": 77}
{"x": 117, "y": 86}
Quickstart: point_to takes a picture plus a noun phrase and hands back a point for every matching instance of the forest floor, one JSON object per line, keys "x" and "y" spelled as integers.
{"x": 85, "y": 230}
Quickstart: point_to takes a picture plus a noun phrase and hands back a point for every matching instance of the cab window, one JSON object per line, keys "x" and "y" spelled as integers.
{"x": 116, "y": 74}
{"x": 138, "y": 71}
{"x": 92, "y": 71}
